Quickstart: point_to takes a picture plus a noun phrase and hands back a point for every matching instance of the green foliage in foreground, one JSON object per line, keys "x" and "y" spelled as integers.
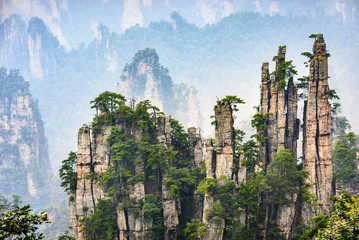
{"x": 102, "y": 224}
{"x": 20, "y": 223}
{"x": 195, "y": 229}
{"x": 343, "y": 223}
{"x": 68, "y": 173}
{"x": 345, "y": 160}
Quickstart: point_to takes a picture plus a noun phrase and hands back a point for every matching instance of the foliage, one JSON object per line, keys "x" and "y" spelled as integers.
{"x": 260, "y": 123}
{"x": 65, "y": 236}
{"x": 12, "y": 83}
{"x": 284, "y": 176}
{"x": 108, "y": 100}
{"x": 152, "y": 206}
{"x": 20, "y": 223}
{"x": 345, "y": 159}
{"x": 284, "y": 70}
{"x": 59, "y": 220}
{"x": 181, "y": 181}
{"x": 68, "y": 172}
{"x": 303, "y": 84}
{"x": 102, "y": 224}
{"x": 195, "y": 229}
{"x": 342, "y": 224}
{"x": 299, "y": 231}
{"x": 313, "y": 35}
{"x": 233, "y": 101}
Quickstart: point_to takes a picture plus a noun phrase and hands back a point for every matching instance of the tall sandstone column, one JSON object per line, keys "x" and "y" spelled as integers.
{"x": 281, "y": 104}
{"x": 317, "y": 132}
{"x": 219, "y": 161}
{"x": 171, "y": 207}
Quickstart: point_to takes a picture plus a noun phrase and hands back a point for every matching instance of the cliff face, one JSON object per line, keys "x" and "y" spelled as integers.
{"x": 317, "y": 131}
{"x": 219, "y": 162}
{"x": 281, "y": 104}
{"x": 24, "y": 162}
{"x": 148, "y": 163}
{"x": 145, "y": 78}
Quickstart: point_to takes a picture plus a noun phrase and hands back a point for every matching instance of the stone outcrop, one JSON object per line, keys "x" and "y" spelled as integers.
{"x": 219, "y": 162}
{"x": 171, "y": 207}
{"x": 24, "y": 161}
{"x": 317, "y": 132}
{"x": 280, "y": 102}
{"x": 144, "y": 78}
{"x": 94, "y": 157}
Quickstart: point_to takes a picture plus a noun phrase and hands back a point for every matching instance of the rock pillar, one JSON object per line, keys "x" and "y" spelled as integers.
{"x": 317, "y": 132}
{"x": 171, "y": 207}
{"x": 219, "y": 162}
{"x": 283, "y": 126}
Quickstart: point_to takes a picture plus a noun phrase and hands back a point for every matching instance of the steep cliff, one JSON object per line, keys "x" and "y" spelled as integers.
{"x": 278, "y": 97}
{"x": 219, "y": 163}
{"x": 317, "y": 132}
{"x": 145, "y": 78}
{"x": 24, "y": 162}
{"x": 278, "y": 107}
{"x": 138, "y": 163}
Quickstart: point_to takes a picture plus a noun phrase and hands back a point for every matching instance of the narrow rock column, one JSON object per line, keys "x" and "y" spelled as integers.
{"x": 214, "y": 231}
{"x": 224, "y": 139}
{"x": 265, "y": 98}
{"x": 219, "y": 162}
{"x": 281, "y": 100}
{"x": 281, "y": 104}
{"x": 292, "y": 122}
{"x": 317, "y": 132}
{"x": 171, "y": 207}
{"x": 196, "y": 156}
{"x": 84, "y": 198}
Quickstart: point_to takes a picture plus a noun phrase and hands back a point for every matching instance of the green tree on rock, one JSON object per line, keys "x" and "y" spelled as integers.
{"x": 343, "y": 223}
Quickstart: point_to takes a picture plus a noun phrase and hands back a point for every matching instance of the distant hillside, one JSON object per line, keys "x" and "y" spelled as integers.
{"x": 219, "y": 59}
{"x": 24, "y": 160}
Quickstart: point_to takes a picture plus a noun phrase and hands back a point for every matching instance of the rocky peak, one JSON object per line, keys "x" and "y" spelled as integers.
{"x": 319, "y": 46}
{"x": 317, "y": 153}
{"x": 145, "y": 78}
{"x": 24, "y": 161}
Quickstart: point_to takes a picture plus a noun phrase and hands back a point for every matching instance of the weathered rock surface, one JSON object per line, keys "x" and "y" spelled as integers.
{"x": 219, "y": 162}
{"x": 94, "y": 157}
{"x": 281, "y": 104}
{"x": 24, "y": 161}
{"x": 317, "y": 132}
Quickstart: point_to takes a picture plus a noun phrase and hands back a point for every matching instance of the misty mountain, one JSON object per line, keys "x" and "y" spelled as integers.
{"x": 217, "y": 60}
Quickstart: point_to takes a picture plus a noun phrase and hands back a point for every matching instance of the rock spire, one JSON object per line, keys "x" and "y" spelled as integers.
{"x": 317, "y": 131}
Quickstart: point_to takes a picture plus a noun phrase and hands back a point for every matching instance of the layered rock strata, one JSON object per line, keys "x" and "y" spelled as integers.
{"x": 280, "y": 104}
{"x": 24, "y": 160}
{"x": 317, "y": 132}
{"x": 94, "y": 157}
{"x": 219, "y": 162}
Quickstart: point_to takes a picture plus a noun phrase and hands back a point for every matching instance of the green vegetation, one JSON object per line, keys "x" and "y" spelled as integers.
{"x": 342, "y": 224}
{"x": 345, "y": 162}
{"x": 22, "y": 128}
{"x": 102, "y": 224}
{"x": 133, "y": 142}
{"x": 68, "y": 173}
{"x": 284, "y": 70}
{"x": 195, "y": 229}
{"x": 19, "y": 222}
